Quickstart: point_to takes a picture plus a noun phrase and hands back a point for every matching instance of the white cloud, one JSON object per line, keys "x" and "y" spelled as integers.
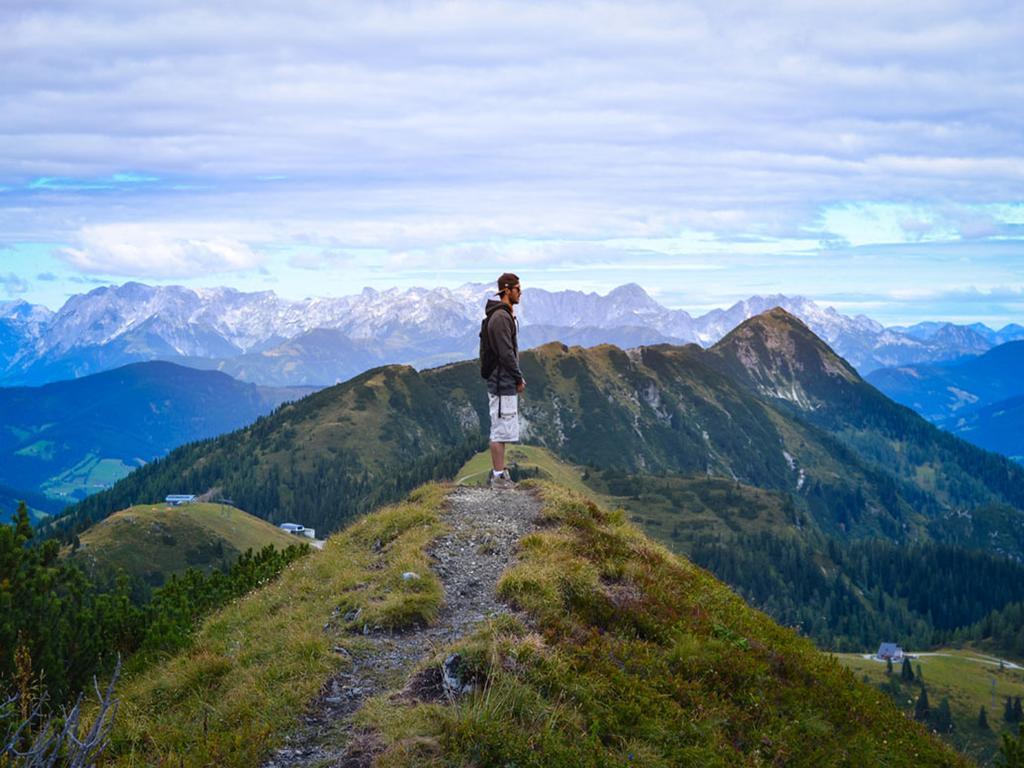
{"x": 13, "y": 285}
{"x": 886, "y": 223}
{"x": 320, "y": 258}
{"x": 961, "y": 295}
{"x": 406, "y": 137}
{"x": 139, "y": 250}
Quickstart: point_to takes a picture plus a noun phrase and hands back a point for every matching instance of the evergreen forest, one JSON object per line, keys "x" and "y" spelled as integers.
{"x": 59, "y": 629}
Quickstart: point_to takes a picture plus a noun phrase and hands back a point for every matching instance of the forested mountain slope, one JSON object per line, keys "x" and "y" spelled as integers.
{"x": 770, "y": 406}
{"x": 969, "y": 495}
{"x": 319, "y": 461}
{"x": 71, "y": 438}
{"x": 940, "y": 391}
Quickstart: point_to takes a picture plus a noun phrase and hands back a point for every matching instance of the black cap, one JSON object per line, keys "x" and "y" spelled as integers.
{"x": 506, "y": 281}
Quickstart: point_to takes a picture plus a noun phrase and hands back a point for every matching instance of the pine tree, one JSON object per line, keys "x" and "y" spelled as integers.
{"x": 943, "y": 717}
{"x": 983, "y": 718}
{"x": 1018, "y": 711}
{"x": 921, "y": 709}
{"x": 888, "y": 666}
{"x": 907, "y": 673}
{"x": 1008, "y": 710}
{"x": 73, "y": 625}
{"x": 22, "y": 523}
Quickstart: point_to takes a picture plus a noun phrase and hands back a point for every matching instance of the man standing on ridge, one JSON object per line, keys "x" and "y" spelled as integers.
{"x": 506, "y": 381}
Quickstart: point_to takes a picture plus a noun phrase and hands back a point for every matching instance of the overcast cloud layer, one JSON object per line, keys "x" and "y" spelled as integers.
{"x": 870, "y": 154}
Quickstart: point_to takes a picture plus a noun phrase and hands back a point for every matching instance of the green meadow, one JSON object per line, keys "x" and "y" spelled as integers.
{"x": 155, "y": 540}
{"x": 968, "y": 679}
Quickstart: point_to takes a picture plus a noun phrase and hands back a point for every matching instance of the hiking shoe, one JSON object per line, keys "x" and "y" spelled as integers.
{"x": 502, "y": 482}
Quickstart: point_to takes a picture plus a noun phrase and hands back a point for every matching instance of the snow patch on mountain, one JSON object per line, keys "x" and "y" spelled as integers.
{"x": 113, "y": 325}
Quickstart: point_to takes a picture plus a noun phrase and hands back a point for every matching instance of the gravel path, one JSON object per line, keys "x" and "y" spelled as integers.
{"x": 485, "y": 527}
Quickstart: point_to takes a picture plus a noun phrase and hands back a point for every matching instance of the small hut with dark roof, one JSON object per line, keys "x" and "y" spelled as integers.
{"x": 889, "y": 652}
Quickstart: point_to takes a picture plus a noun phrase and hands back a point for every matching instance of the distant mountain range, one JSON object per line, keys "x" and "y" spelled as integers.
{"x": 261, "y": 338}
{"x": 770, "y": 405}
{"x": 71, "y": 438}
{"x": 981, "y": 398}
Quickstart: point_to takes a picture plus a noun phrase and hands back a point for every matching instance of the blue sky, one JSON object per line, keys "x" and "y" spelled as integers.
{"x": 865, "y": 155}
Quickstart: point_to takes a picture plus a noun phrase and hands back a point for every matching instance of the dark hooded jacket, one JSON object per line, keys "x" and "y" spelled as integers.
{"x": 502, "y": 333}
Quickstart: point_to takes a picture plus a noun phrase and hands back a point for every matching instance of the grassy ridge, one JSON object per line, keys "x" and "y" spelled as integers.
{"x": 241, "y": 685}
{"x": 155, "y": 540}
{"x": 631, "y": 655}
{"x": 635, "y": 656}
{"x": 850, "y": 461}
{"x": 531, "y": 458}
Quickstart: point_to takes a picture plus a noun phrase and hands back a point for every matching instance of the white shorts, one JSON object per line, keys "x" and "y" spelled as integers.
{"x": 504, "y": 428}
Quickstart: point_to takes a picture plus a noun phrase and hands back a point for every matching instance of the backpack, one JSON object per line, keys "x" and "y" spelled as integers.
{"x": 488, "y": 357}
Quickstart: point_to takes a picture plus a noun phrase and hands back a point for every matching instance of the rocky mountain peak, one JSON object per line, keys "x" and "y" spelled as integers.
{"x": 781, "y": 357}
{"x": 21, "y": 312}
{"x": 630, "y": 292}
{"x": 773, "y": 325}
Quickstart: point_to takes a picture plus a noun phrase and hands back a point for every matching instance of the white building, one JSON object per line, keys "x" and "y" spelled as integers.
{"x": 889, "y": 652}
{"x": 299, "y": 530}
{"x": 180, "y": 498}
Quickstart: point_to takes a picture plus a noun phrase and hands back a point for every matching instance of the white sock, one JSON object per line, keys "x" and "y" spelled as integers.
{"x": 497, "y": 472}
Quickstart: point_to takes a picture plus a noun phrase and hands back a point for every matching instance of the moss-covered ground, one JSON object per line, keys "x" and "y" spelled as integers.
{"x": 633, "y": 656}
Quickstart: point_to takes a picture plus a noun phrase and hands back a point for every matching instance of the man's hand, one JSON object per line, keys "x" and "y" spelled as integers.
{"x": 520, "y": 385}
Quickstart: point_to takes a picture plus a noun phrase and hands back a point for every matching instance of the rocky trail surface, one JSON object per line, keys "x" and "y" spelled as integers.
{"x": 484, "y": 529}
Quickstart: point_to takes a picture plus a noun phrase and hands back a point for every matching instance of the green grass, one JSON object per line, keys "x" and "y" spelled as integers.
{"x": 241, "y": 686}
{"x": 626, "y": 655}
{"x": 673, "y": 509}
{"x": 633, "y": 656}
{"x": 676, "y": 509}
{"x": 529, "y": 457}
{"x": 41, "y": 449}
{"x": 91, "y": 474}
{"x": 155, "y": 540}
{"x": 965, "y": 678}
